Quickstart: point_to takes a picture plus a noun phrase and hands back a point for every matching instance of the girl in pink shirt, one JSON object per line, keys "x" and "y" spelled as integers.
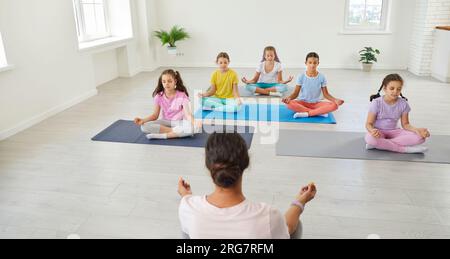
{"x": 172, "y": 117}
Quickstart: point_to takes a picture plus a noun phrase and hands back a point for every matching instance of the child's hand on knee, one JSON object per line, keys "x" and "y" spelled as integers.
{"x": 339, "y": 102}
{"x": 286, "y": 100}
{"x": 139, "y": 121}
{"x": 424, "y": 133}
{"x": 375, "y": 133}
{"x": 289, "y": 80}
{"x": 184, "y": 188}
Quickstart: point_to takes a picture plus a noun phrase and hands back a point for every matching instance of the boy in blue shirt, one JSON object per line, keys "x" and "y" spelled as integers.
{"x": 310, "y": 86}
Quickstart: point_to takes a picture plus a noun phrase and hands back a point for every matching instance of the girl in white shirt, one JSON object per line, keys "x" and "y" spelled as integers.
{"x": 268, "y": 79}
{"x": 226, "y": 213}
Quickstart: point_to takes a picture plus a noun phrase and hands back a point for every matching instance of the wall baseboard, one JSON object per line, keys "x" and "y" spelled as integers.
{"x": 150, "y": 69}
{"x": 43, "y": 116}
{"x": 444, "y": 79}
{"x": 285, "y": 65}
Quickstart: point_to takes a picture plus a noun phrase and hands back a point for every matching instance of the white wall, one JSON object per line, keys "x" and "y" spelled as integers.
{"x": 440, "y": 66}
{"x": 3, "y": 60}
{"x": 50, "y": 74}
{"x": 149, "y": 46}
{"x": 139, "y": 54}
{"x": 105, "y": 66}
{"x": 428, "y": 15}
{"x": 295, "y": 27}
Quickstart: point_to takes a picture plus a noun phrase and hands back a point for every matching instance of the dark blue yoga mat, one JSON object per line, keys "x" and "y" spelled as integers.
{"x": 124, "y": 131}
{"x": 264, "y": 112}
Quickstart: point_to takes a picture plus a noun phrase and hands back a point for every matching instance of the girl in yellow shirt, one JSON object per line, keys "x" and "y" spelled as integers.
{"x": 223, "y": 95}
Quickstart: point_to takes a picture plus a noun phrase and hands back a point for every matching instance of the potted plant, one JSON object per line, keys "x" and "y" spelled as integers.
{"x": 172, "y": 37}
{"x": 368, "y": 57}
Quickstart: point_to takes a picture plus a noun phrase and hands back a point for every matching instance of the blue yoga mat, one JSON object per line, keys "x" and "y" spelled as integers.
{"x": 264, "y": 112}
{"x": 124, "y": 131}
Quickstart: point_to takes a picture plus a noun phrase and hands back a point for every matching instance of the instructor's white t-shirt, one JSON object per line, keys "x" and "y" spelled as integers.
{"x": 269, "y": 77}
{"x": 202, "y": 220}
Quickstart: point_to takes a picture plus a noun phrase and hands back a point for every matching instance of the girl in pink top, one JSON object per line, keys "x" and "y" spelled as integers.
{"x": 382, "y": 123}
{"x": 172, "y": 117}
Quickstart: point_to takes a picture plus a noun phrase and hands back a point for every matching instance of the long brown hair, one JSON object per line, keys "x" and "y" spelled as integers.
{"x": 270, "y": 48}
{"x": 386, "y": 81}
{"x": 176, "y": 75}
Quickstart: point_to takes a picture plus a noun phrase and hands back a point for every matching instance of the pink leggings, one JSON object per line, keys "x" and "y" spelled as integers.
{"x": 313, "y": 109}
{"x": 395, "y": 140}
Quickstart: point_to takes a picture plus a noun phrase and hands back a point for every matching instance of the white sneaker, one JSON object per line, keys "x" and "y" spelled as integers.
{"x": 276, "y": 94}
{"x": 301, "y": 115}
{"x": 370, "y": 147}
{"x": 256, "y": 94}
{"x": 416, "y": 149}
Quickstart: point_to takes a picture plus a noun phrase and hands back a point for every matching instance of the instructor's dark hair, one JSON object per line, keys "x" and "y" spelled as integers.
{"x": 386, "y": 81}
{"x": 226, "y": 158}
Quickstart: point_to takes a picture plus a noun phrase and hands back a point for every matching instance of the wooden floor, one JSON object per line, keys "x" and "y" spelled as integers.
{"x": 55, "y": 182}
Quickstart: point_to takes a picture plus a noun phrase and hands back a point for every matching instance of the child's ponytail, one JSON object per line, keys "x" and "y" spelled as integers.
{"x": 180, "y": 84}
{"x": 378, "y": 95}
{"x": 386, "y": 81}
{"x": 176, "y": 75}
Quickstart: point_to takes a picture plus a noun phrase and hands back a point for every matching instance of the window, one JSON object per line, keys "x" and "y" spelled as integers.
{"x": 92, "y": 19}
{"x": 366, "y": 15}
{"x": 3, "y": 61}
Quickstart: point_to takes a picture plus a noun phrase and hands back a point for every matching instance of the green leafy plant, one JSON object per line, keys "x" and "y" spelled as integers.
{"x": 369, "y": 55}
{"x": 172, "y": 37}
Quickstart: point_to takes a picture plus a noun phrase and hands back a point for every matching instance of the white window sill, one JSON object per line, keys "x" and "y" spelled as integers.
{"x": 104, "y": 44}
{"x": 365, "y": 33}
{"x": 6, "y": 68}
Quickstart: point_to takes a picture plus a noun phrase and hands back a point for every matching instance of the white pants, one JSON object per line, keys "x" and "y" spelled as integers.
{"x": 181, "y": 128}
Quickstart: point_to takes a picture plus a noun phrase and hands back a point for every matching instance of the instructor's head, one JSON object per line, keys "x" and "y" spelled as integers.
{"x": 226, "y": 158}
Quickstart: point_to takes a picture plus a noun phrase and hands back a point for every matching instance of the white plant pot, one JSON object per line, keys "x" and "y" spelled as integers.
{"x": 172, "y": 51}
{"x": 367, "y": 67}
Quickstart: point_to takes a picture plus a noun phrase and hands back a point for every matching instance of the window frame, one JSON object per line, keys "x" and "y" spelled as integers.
{"x": 383, "y": 27}
{"x": 81, "y": 24}
{"x": 3, "y": 59}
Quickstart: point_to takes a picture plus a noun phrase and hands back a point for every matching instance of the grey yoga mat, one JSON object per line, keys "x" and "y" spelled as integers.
{"x": 124, "y": 131}
{"x": 351, "y": 145}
